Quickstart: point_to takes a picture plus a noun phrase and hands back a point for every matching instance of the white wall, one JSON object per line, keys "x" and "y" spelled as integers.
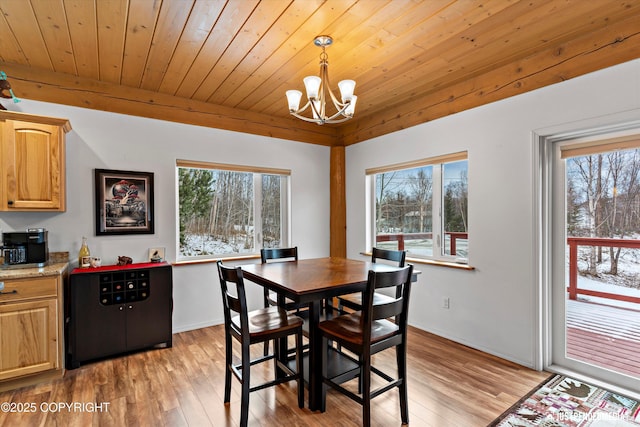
{"x": 115, "y": 141}
{"x": 492, "y": 308}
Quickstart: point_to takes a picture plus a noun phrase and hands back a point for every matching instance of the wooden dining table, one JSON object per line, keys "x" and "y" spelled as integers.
{"x": 311, "y": 281}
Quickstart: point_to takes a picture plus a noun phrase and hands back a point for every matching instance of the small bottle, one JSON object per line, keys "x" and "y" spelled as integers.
{"x": 84, "y": 256}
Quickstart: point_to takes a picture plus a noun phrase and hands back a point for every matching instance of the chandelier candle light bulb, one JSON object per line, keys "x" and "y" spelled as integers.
{"x": 351, "y": 107}
{"x": 312, "y": 84}
{"x": 318, "y": 89}
{"x": 346, "y": 89}
{"x": 293, "y": 97}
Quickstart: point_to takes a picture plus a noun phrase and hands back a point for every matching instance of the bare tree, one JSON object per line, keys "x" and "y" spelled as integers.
{"x": 460, "y": 190}
{"x": 384, "y": 186}
{"x": 589, "y": 169}
{"x": 421, "y": 186}
{"x": 624, "y": 166}
{"x": 609, "y": 189}
{"x": 271, "y": 211}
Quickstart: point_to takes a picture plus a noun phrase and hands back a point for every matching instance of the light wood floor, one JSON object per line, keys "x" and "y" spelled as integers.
{"x": 449, "y": 385}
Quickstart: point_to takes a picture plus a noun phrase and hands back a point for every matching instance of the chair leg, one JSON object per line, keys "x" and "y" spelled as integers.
{"x": 360, "y": 375}
{"x": 401, "y": 356}
{"x": 325, "y": 356}
{"x": 276, "y": 357}
{"x": 227, "y": 371}
{"x": 266, "y": 348}
{"x": 300, "y": 369}
{"x": 246, "y": 382}
{"x": 365, "y": 376}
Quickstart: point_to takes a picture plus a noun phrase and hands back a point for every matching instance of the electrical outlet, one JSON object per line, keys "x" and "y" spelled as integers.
{"x": 445, "y": 302}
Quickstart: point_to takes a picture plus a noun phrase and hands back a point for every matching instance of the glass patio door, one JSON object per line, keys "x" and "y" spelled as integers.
{"x": 595, "y": 257}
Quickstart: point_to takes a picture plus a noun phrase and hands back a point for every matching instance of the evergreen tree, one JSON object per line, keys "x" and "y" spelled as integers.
{"x": 194, "y": 195}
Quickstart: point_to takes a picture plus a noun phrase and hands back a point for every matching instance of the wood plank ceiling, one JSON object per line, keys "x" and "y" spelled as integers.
{"x": 227, "y": 63}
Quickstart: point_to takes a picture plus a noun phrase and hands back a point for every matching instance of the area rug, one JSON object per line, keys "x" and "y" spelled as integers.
{"x": 566, "y": 402}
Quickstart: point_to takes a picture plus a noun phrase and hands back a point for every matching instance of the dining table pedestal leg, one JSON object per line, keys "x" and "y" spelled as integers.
{"x": 315, "y": 357}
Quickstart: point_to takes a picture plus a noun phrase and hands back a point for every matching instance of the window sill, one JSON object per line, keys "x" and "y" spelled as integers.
{"x": 435, "y": 263}
{"x": 441, "y": 263}
{"x": 213, "y": 260}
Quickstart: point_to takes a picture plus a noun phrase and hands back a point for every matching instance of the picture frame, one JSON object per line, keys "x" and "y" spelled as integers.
{"x": 123, "y": 202}
{"x": 156, "y": 254}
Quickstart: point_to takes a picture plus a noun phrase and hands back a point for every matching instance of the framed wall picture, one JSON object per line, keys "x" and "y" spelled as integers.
{"x": 124, "y": 202}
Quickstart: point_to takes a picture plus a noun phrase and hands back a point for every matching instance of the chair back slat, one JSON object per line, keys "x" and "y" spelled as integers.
{"x": 389, "y": 255}
{"x": 267, "y": 254}
{"x": 234, "y": 303}
{"x": 388, "y": 309}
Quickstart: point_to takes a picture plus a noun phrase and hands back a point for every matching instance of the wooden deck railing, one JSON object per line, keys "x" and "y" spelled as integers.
{"x": 401, "y": 237}
{"x": 573, "y": 243}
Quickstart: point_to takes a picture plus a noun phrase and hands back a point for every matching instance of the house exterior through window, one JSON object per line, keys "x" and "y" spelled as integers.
{"x": 421, "y": 207}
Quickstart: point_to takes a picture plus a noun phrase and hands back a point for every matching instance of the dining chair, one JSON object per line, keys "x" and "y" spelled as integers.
{"x": 252, "y": 327}
{"x": 367, "y": 332}
{"x": 270, "y": 299}
{"x": 354, "y": 300}
{"x": 279, "y": 254}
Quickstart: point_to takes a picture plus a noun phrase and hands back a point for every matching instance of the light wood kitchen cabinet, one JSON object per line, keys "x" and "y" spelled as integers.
{"x": 32, "y": 154}
{"x": 28, "y": 338}
{"x": 31, "y": 333}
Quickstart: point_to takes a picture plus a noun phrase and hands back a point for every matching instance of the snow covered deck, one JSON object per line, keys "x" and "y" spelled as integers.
{"x": 605, "y": 336}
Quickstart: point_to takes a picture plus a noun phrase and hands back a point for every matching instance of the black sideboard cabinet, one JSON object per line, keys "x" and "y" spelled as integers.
{"x": 113, "y": 310}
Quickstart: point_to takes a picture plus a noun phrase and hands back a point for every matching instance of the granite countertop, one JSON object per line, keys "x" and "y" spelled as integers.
{"x": 58, "y": 264}
{"x": 51, "y": 269}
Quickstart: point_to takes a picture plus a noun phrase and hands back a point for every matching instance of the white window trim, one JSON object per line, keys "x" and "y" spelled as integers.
{"x": 257, "y": 171}
{"x": 437, "y": 228}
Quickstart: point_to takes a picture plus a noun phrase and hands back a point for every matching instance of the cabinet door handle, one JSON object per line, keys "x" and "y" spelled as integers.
{"x": 130, "y": 307}
{"x": 13, "y": 291}
{"x": 10, "y": 202}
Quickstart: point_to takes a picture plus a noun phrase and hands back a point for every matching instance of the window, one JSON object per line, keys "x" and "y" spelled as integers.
{"x": 228, "y": 211}
{"x": 421, "y": 207}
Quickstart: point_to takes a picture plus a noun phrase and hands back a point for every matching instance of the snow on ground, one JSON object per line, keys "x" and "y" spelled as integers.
{"x": 591, "y": 284}
{"x": 203, "y": 245}
{"x": 627, "y": 282}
